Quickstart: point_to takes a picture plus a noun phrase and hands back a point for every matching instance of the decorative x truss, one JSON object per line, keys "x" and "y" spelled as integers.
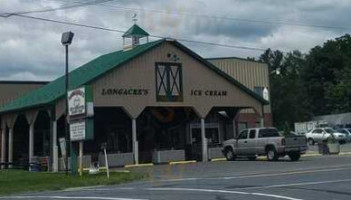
{"x": 169, "y": 82}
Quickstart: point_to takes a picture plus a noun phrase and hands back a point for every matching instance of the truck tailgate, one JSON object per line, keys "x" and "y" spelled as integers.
{"x": 295, "y": 143}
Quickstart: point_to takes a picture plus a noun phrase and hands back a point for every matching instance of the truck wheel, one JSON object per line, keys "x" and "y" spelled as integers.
{"x": 295, "y": 156}
{"x": 229, "y": 154}
{"x": 252, "y": 158}
{"x": 272, "y": 154}
{"x": 310, "y": 141}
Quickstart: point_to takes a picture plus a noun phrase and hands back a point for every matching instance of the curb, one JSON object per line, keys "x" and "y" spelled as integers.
{"x": 139, "y": 165}
{"x": 317, "y": 154}
{"x": 218, "y": 159}
{"x": 182, "y": 162}
{"x": 103, "y": 169}
{"x": 311, "y": 155}
{"x": 261, "y": 158}
{"x": 120, "y": 171}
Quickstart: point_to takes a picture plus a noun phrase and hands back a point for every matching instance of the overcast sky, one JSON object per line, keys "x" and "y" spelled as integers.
{"x": 31, "y": 49}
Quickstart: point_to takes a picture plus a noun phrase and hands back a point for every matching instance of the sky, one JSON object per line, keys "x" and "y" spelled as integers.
{"x": 31, "y": 49}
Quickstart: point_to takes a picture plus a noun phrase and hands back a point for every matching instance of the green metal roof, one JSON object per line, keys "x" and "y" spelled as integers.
{"x": 135, "y": 30}
{"x": 92, "y": 70}
{"x": 78, "y": 77}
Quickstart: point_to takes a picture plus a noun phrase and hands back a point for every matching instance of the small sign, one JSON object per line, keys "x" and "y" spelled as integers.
{"x": 77, "y": 130}
{"x": 76, "y": 102}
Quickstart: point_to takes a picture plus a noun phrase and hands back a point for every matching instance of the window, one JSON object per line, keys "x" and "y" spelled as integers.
{"x": 259, "y": 90}
{"x": 252, "y": 134}
{"x": 211, "y": 131}
{"x": 268, "y": 133}
{"x": 242, "y": 126}
{"x": 328, "y": 130}
{"x": 169, "y": 85}
{"x": 243, "y": 135}
{"x": 318, "y": 131}
{"x": 212, "y": 135}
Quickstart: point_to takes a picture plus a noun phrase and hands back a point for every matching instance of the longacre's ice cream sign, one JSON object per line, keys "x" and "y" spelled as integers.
{"x": 76, "y": 102}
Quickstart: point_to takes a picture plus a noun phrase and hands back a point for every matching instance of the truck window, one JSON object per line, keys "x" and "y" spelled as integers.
{"x": 243, "y": 135}
{"x": 252, "y": 134}
{"x": 268, "y": 133}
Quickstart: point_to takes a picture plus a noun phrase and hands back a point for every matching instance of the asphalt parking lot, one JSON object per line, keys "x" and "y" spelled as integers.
{"x": 321, "y": 177}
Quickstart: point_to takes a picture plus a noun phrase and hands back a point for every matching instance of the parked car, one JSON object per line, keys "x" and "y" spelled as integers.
{"x": 318, "y": 135}
{"x": 264, "y": 141}
{"x": 346, "y": 132}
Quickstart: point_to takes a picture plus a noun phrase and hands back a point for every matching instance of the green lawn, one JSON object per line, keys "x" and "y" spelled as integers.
{"x": 19, "y": 181}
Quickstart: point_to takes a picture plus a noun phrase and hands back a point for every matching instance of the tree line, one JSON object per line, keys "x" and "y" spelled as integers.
{"x": 310, "y": 84}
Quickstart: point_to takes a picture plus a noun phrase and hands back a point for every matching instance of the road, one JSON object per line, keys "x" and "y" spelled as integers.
{"x": 327, "y": 177}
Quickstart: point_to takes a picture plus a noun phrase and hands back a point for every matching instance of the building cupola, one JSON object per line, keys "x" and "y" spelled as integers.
{"x": 134, "y": 36}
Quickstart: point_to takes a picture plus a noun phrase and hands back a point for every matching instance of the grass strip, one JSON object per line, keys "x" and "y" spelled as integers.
{"x": 20, "y": 181}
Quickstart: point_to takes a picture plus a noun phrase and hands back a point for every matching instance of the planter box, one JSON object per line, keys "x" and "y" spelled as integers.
{"x": 215, "y": 152}
{"x": 117, "y": 159}
{"x": 168, "y": 156}
{"x": 334, "y": 148}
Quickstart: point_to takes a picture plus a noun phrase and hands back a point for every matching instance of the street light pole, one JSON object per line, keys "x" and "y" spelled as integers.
{"x": 66, "y": 111}
{"x": 66, "y": 40}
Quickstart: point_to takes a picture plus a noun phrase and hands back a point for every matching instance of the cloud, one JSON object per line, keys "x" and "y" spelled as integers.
{"x": 288, "y": 38}
{"x": 31, "y": 49}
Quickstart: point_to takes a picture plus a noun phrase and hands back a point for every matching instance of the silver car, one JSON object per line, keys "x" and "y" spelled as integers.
{"x": 346, "y": 132}
{"x": 318, "y": 135}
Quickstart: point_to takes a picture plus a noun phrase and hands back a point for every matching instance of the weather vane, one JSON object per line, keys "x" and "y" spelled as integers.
{"x": 135, "y": 18}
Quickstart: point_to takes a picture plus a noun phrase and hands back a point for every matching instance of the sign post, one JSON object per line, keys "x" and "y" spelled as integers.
{"x": 80, "y": 158}
{"x": 103, "y": 147}
{"x": 62, "y": 142}
{"x": 80, "y": 110}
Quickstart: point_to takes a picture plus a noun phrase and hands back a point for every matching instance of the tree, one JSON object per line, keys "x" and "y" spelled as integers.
{"x": 287, "y": 99}
{"x": 326, "y": 76}
{"x": 308, "y": 85}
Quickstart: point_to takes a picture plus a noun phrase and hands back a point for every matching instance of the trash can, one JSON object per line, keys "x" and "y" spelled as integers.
{"x": 323, "y": 148}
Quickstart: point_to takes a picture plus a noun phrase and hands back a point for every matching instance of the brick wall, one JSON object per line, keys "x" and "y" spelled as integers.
{"x": 252, "y": 119}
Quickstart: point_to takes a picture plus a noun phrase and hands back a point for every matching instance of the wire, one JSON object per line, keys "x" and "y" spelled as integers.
{"x": 120, "y": 31}
{"x": 55, "y": 9}
{"x": 65, "y": 22}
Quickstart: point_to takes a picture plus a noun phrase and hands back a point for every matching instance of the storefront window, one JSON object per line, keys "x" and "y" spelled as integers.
{"x": 211, "y": 131}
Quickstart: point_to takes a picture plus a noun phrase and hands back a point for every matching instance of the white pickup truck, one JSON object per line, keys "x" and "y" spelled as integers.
{"x": 264, "y": 141}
